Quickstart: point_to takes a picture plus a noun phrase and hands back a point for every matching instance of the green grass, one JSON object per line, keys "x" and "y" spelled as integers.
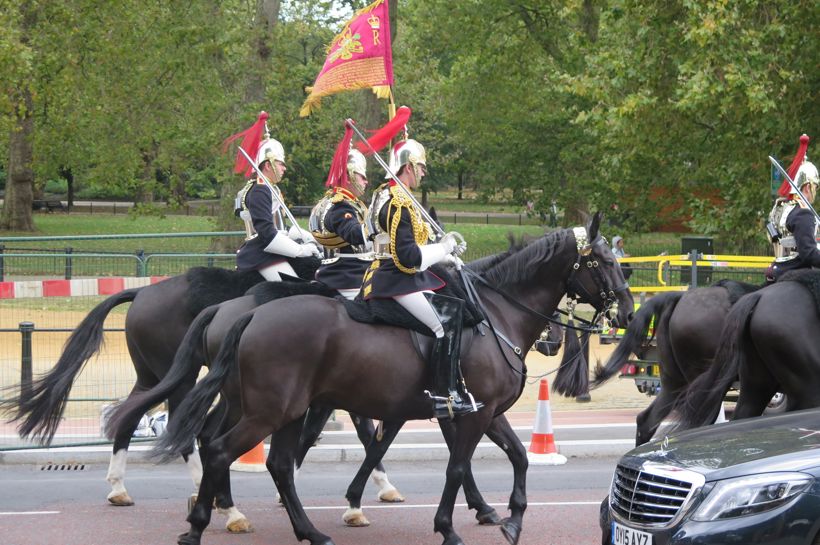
{"x": 481, "y": 240}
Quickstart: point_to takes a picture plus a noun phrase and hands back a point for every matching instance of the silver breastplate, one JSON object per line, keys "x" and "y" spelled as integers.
{"x": 381, "y": 240}
{"x": 316, "y": 224}
{"x": 785, "y": 246}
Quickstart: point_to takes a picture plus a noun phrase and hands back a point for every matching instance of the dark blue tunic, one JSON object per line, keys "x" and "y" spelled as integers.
{"x": 347, "y": 272}
{"x": 384, "y": 278}
{"x": 252, "y": 255}
{"x": 801, "y": 224}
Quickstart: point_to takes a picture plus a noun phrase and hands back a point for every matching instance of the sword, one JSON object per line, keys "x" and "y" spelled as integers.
{"x": 794, "y": 186}
{"x": 434, "y": 224}
{"x": 273, "y": 191}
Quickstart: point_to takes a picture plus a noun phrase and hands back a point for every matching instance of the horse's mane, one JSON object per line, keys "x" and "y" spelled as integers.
{"x": 518, "y": 265}
{"x": 482, "y": 264}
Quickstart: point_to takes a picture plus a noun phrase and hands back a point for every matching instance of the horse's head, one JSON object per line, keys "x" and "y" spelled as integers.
{"x": 597, "y": 278}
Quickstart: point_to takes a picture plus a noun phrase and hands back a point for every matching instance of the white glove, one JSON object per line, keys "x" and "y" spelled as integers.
{"x": 453, "y": 260}
{"x": 449, "y": 243}
{"x": 299, "y": 235}
{"x": 309, "y": 250}
{"x": 283, "y": 245}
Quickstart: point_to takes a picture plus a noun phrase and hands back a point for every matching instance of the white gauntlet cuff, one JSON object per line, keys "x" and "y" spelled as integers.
{"x": 282, "y": 245}
{"x": 431, "y": 254}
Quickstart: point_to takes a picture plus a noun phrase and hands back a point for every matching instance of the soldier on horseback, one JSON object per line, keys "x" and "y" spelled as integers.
{"x": 268, "y": 244}
{"x": 792, "y": 226}
{"x": 337, "y": 222}
{"x": 404, "y": 254}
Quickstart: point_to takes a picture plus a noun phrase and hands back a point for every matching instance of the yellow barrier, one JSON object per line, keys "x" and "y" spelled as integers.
{"x": 707, "y": 260}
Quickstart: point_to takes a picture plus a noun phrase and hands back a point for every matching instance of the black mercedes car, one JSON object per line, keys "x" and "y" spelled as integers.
{"x": 745, "y": 482}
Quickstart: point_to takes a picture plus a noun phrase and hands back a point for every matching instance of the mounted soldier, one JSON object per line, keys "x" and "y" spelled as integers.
{"x": 405, "y": 251}
{"x": 792, "y": 227}
{"x": 268, "y": 244}
{"x": 337, "y": 222}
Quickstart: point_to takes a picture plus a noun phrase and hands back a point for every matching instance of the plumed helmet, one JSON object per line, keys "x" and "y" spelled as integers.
{"x": 356, "y": 163}
{"x": 806, "y": 174}
{"x": 408, "y": 151}
{"x": 270, "y": 150}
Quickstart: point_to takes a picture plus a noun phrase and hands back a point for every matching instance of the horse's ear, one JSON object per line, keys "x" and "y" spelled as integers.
{"x": 594, "y": 225}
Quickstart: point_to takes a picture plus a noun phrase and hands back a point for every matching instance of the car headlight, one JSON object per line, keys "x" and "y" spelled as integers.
{"x": 749, "y": 495}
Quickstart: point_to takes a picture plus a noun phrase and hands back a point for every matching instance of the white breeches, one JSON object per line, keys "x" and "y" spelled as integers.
{"x": 417, "y": 305}
{"x": 271, "y": 272}
{"x": 349, "y": 294}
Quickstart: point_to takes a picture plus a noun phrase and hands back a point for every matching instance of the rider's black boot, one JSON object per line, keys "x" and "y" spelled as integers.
{"x": 451, "y": 397}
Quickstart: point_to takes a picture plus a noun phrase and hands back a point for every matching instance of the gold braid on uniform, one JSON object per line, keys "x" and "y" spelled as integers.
{"x": 421, "y": 231}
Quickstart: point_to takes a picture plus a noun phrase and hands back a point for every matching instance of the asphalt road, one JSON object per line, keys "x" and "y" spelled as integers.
{"x": 68, "y": 507}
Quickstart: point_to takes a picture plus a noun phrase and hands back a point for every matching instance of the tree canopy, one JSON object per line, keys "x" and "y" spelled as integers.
{"x": 654, "y": 111}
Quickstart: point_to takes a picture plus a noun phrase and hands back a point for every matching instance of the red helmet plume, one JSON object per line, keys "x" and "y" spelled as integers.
{"x": 251, "y": 140}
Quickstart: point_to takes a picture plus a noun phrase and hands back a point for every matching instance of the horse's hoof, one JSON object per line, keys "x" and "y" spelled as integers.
{"x": 239, "y": 526}
{"x": 488, "y": 518}
{"x": 453, "y": 540}
{"x": 187, "y": 539}
{"x": 121, "y": 499}
{"x": 391, "y": 496}
{"x": 511, "y": 531}
{"x": 355, "y": 518}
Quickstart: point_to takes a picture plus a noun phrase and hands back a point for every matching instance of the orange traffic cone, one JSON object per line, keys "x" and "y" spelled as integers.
{"x": 252, "y": 461}
{"x": 542, "y": 446}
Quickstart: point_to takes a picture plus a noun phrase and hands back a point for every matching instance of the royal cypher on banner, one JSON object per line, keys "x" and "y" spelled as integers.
{"x": 359, "y": 57}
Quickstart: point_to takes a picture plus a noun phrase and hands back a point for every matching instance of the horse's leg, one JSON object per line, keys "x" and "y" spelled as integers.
{"x": 280, "y": 464}
{"x": 315, "y": 420}
{"x": 469, "y": 429}
{"x": 650, "y": 419}
{"x": 502, "y": 434}
{"x": 367, "y": 432}
{"x": 216, "y": 466}
{"x": 374, "y": 452}
{"x": 191, "y": 457}
{"x": 219, "y": 421}
{"x": 119, "y": 455}
{"x": 757, "y": 386}
{"x": 484, "y": 513}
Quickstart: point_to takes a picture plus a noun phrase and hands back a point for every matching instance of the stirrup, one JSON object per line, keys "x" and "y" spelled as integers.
{"x": 450, "y": 406}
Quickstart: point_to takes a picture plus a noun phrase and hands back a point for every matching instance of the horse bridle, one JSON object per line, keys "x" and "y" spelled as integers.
{"x": 576, "y": 289}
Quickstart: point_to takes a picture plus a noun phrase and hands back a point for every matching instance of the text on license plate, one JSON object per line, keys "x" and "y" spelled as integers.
{"x": 622, "y": 535}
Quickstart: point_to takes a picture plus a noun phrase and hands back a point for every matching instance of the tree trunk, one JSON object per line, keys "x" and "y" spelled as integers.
{"x": 267, "y": 14}
{"x": 460, "y": 184}
{"x": 68, "y": 175}
{"x": 17, "y": 214}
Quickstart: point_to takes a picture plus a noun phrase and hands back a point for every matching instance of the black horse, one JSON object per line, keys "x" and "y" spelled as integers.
{"x": 155, "y": 324}
{"x": 203, "y": 341}
{"x": 684, "y": 327}
{"x": 281, "y": 375}
{"x": 769, "y": 339}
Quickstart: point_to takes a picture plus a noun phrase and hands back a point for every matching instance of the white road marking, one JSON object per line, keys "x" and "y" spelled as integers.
{"x": 435, "y": 505}
{"x": 16, "y": 513}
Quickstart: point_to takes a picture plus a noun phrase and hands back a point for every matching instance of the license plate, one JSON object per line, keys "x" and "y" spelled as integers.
{"x": 623, "y": 535}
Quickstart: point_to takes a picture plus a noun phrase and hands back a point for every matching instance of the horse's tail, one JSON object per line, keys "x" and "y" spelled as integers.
{"x": 572, "y": 378}
{"x": 184, "y": 370}
{"x": 700, "y": 402}
{"x": 191, "y": 414}
{"x": 39, "y": 408}
{"x": 636, "y": 333}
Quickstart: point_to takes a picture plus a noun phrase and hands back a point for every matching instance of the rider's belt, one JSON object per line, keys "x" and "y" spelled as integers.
{"x": 369, "y": 256}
